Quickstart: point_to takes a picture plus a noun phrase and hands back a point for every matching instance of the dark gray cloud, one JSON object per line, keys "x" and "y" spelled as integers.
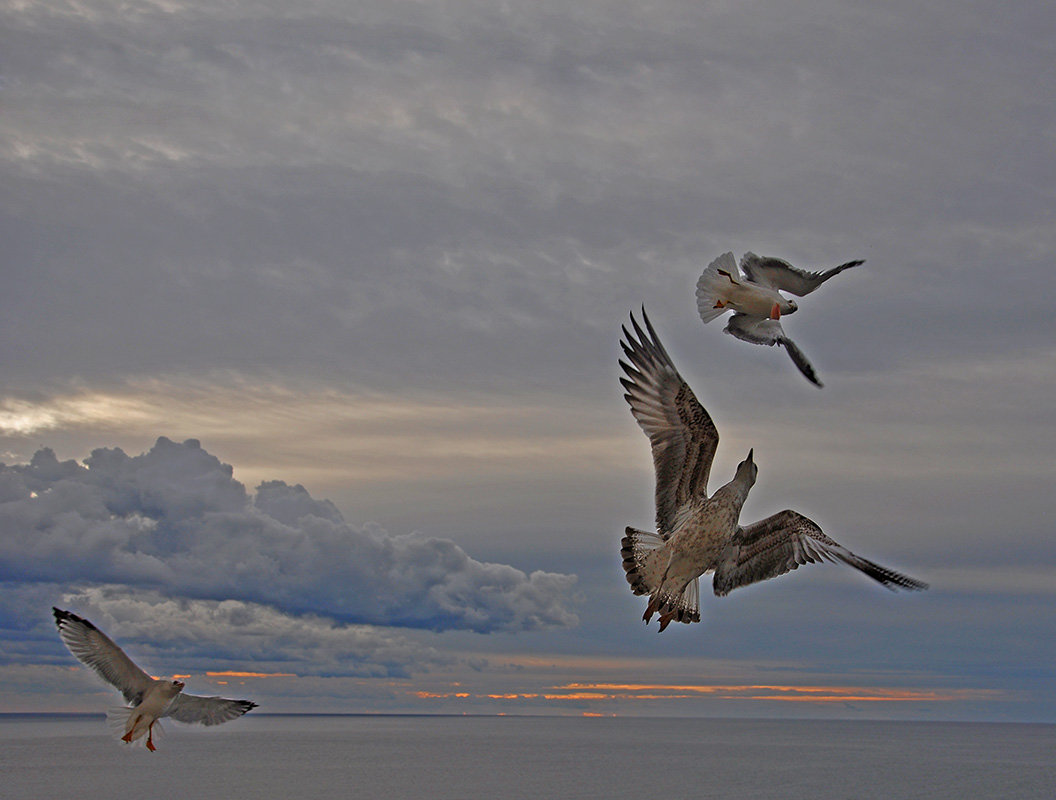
{"x": 174, "y": 519}
{"x": 390, "y": 193}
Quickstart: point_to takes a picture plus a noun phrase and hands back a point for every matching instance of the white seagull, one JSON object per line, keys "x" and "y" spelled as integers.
{"x": 149, "y": 698}
{"x": 696, "y": 533}
{"x": 756, "y": 300}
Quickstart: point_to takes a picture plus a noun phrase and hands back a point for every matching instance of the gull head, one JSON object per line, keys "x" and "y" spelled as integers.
{"x": 782, "y": 306}
{"x": 747, "y": 470}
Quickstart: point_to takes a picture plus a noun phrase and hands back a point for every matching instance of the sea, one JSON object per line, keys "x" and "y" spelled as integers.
{"x": 56, "y": 756}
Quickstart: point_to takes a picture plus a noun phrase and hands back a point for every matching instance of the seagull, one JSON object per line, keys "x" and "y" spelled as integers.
{"x": 149, "y": 698}
{"x": 698, "y": 533}
{"x": 756, "y": 300}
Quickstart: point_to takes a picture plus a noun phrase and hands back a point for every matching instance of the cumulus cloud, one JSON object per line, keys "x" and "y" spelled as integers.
{"x": 175, "y": 520}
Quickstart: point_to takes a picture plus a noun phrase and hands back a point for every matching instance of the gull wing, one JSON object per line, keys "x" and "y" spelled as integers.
{"x": 779, "y": 274}
{"x": 680, "y": 430}
{"x": 758, "y": 330}
{"x": 95, "y": 649}
{"x": 781, "y": 543}
{"x": 206, "y": 710}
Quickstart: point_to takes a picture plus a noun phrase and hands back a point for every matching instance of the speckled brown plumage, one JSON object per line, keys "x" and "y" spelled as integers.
{"x": 699, "y": 533}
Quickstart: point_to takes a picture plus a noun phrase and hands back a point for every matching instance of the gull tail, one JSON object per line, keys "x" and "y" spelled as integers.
{"x": 714, "y": 284}
{"x": 683, "y": 608}
{"x": 119, "y": 721}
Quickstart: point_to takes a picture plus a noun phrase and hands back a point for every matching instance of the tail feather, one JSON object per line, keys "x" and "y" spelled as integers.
{"x": 683, "y": 608}
{"x": 713, "y": 285}
{"x": 119, "y": 722}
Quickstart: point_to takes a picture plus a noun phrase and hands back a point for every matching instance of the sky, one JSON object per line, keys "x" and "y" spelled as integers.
{"x": 310, "y": 322}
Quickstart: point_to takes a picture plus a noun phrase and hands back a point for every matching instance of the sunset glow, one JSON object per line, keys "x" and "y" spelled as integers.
{"x": 606, "y": 692}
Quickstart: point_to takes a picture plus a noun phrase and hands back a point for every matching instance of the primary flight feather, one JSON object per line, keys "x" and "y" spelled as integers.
{"x": 697, "y": 533}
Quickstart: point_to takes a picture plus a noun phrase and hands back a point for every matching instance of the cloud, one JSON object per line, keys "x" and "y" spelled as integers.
{"x": 175, "y": 520}
{"x": 326, "y": 187}
{"x": 232, "y": 635}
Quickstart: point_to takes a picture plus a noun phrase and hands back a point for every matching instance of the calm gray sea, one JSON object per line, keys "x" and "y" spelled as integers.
{"x": 392, "y": 757}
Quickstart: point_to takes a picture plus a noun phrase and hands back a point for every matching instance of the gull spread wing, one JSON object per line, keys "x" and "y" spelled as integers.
{"x": 769, "y": 331}
{"x": 206, "y": 710}
{"x": 779, "y": 274}
{"x": 680, "y": 430}
{"x": 95, "y": 649}
{"x": 780, "y": 543}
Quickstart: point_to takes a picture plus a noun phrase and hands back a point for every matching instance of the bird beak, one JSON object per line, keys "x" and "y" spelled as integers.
{"x": 178, "y": 684}
{"x": 750, "y": 455}
{"x": 775, "y": 312}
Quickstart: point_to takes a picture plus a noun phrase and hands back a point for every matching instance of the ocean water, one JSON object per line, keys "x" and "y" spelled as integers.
{"x": 393, "y": 757}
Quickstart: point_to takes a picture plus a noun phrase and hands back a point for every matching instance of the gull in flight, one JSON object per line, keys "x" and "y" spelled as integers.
{"x": 756, "y": 299}
{"x": 149, "y": 698}
{"x": 698, "y": 533}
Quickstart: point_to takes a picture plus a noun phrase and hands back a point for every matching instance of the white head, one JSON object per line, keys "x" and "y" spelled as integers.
{"x": 172, "y": 688}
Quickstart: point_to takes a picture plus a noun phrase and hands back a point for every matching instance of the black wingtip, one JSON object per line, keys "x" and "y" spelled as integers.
{"x": 62, "y": 617}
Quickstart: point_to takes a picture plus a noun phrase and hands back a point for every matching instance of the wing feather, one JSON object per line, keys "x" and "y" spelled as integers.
{"x": 781, "y": 543}
{"x": 779, "y": 274}
{"x": 95, "y": 649}
{"x": 680, "y": 430}
{"x": 206, "y": 710}
{"x": 757, "y": 330}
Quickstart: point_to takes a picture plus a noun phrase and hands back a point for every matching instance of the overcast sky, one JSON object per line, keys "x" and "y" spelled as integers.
{"x": 310, "y": 320}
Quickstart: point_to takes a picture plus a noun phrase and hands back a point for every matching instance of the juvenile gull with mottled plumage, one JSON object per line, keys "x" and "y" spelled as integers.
{"x": 149, "y": 698}
{"x": 696, "y": 533}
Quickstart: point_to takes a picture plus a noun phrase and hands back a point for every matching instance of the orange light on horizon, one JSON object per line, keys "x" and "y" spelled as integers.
{"x": 424, "y": 695}
{"x": 239, "y": 674}
{"x": 610, "y": 692}
{"x": 816, "y": 694}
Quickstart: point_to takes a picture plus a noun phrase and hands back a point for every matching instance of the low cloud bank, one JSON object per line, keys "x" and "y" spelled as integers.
{"x": 174, "y": 521}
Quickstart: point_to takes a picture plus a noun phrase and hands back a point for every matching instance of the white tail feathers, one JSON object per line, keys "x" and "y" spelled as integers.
{"x": 713, "y": 286}
{"x": 119, "y": 721}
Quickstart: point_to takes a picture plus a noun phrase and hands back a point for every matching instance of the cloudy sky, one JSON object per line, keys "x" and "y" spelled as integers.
{"x": 310, "y": 320}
